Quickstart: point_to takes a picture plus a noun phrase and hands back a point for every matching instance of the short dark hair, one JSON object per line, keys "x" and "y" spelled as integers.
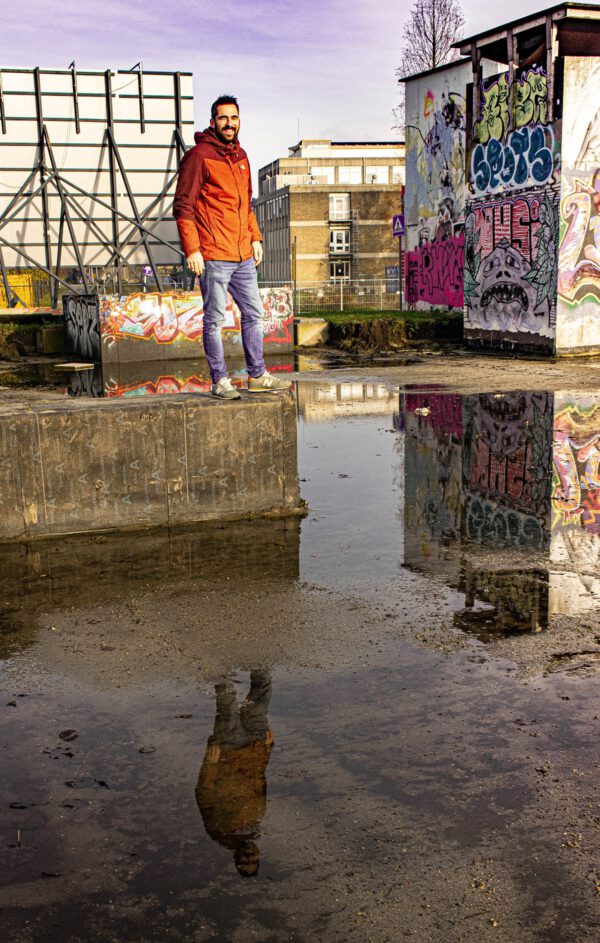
{"x": 223, "y": 100}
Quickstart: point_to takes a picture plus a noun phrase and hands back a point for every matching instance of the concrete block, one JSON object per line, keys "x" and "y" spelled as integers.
{"x": 83, "y": 465}
{"x": 50, "y": 339}
{"x": 311, "y": 332}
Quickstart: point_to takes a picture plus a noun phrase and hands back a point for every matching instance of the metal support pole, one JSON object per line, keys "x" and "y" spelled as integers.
{"x": 138, "y": 219}
{"x": 67, "y": 215}
{"x": 400, "y": 273}
{"x": 111, "y": 170}
{"x": 42, "y": 167}
{"x": 28, "y": 258}
{"x": 2, "y": 111}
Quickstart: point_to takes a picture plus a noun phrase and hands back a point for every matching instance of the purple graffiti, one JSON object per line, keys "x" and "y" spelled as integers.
{"x": 434, "y": 273}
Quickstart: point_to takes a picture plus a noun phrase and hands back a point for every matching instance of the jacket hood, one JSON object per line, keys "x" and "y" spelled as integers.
{"x": 208, "y": 136}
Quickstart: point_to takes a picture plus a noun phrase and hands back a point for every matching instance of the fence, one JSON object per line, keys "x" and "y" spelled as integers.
{"x": 373, "y": 294}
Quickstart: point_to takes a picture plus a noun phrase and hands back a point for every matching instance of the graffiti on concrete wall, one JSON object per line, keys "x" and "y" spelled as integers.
{"x": 435, "y": 191}
{"x": 510, "y": 264}
{"x": 82, "y": 335}
{"x": 434, "y": 273}
{"x": 526, "y": 158}
{"x": 530, "y": 104}
{"x": 171, "y": 318}
{"x": 507, "y": 452}
{"x": 579, "y": 258}
{"x": 578, "y": 324}
{"x": 576, "y": 487}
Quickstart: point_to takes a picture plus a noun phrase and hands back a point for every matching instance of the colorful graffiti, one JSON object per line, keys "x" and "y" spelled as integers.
{"x": 178, "y": 316}
{"x": 525, "y": 159}
{"x": 576, "y": 487}
{"x": 530, "y": 104}
{"x": 434, "y": 273}
{"x": 510, "y": 264}
{"x": 435, "y": 193}
{"x": 579, "y": 254}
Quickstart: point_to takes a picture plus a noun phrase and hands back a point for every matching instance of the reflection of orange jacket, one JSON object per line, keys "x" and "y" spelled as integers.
{"x": 232, "y": 792}
{"x": 213, "y": 201}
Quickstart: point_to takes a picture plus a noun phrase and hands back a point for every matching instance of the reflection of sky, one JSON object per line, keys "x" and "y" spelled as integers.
{"x": 328, "y": 67}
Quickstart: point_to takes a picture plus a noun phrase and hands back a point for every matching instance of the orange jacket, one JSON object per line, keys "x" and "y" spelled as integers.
{"x": 213, "y": 201}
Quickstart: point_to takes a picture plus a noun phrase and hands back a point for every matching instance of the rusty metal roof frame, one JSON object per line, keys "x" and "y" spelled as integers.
{"x": 559, "y": 12}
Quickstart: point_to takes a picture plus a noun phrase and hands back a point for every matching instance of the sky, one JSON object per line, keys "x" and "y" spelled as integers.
{"x": 300, "y": 68}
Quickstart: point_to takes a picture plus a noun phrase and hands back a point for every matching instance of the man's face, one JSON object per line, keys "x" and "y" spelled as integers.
{"x": 226, "y": 124}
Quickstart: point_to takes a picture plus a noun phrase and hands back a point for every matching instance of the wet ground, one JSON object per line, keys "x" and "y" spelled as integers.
{"x": 375, "y": 724}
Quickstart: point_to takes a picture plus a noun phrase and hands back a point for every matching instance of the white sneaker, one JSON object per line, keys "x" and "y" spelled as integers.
{"x": 267, "y": 384}
{"x": 225, "y": 390}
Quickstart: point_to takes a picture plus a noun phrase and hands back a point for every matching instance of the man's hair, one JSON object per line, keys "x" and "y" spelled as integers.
{"x": 222, "y": 100}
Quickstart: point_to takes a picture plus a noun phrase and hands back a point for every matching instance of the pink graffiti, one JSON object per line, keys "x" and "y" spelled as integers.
{"x": 435, "y": 273}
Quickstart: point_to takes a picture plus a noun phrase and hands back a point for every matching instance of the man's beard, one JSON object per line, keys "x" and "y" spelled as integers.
{"x": 223, "y": 139}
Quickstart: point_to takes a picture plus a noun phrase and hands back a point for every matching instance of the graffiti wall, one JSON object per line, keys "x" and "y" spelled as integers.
{"x": 435, "y": 186}
{"x": 512, "y": 215}
{"x": 82, "y": 330}
{"x": 168, "y": 326}
{"x": 579, "y": 259}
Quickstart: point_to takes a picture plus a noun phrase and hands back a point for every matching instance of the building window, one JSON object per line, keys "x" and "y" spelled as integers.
{"x": 339, "y": 271}
{"x": 326, "y": 174}
{"x": 377, "y": 175}
{"x": 339, "y": 206}
{"x": 398, "y": 174}
{"x": 339, "y": 241}
{"x": 350, "y": 174}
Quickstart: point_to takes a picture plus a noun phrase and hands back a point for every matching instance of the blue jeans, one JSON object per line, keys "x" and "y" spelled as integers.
{"x": 239, "y": 278}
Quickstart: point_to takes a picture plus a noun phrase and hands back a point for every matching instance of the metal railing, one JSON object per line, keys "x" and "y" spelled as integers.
{"x": 343, "y": 295}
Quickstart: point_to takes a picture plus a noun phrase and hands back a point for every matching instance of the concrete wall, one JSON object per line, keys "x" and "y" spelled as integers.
{"x": 435, "y": 187}
{"x": 578, "y": 318}
{"x": 512, "y": 218}
{"x": 84, "y": 466}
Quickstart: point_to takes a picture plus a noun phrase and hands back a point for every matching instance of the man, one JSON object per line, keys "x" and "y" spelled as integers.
{"x": 232, "y": 785}
{"x": 223, "y": 244}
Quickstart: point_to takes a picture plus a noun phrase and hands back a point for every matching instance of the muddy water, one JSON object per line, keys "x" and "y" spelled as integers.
{"x": 378, "y": 723}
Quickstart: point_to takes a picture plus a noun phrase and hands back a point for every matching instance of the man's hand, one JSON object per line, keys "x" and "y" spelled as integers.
{"x": 195, "y": 263}
{"x": 257, "y": 252}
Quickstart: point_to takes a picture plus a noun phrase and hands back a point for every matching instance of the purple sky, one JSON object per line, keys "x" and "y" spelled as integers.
{"x": 325, "y": 64}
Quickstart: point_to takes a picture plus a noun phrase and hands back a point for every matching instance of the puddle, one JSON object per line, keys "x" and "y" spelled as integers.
{"x": 369, "y": 724}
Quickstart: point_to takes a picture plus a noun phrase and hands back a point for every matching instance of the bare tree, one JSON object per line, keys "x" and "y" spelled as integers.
{"x": 432, "y": 28}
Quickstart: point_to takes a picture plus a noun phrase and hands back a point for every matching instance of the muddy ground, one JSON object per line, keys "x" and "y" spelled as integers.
{"x": 434, "y": 770}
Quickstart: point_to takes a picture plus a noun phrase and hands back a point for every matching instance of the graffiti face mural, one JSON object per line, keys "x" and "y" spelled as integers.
{"x": 507, "y": 298}
{"x": 510, "y": 266}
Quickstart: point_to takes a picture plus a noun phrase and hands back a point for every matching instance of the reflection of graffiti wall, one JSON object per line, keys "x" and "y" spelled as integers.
{"x": 512, "y": 219}
{"x": 576, "y": 485}
{"x": 168, "y": 326}
{"x": 82, "y": 334}
{"x": 507, "y": 467}
{"x": 579, "y": 261}
{"x": 435, "y": 186}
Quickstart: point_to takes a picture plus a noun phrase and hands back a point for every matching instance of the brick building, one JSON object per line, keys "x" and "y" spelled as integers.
{"x": 329, "y": 205}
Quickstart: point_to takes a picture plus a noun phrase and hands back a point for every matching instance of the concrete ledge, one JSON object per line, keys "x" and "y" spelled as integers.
{"x": 82, "y": 466}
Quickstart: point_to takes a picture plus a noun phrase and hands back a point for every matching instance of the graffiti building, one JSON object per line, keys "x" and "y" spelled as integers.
{"x": 503, "y": 184}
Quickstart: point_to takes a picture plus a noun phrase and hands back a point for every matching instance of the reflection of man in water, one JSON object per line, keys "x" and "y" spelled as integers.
{"x": 232, "y": 787}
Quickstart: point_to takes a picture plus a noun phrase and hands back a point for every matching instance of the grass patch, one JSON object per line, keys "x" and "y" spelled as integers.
{"x": 6, "y": 348}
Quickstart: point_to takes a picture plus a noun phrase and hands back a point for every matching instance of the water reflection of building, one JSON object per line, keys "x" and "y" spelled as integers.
{"x": 502, "y": 500}
{"x": 321, "y": 401}
{"x": 232, "y": 785}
